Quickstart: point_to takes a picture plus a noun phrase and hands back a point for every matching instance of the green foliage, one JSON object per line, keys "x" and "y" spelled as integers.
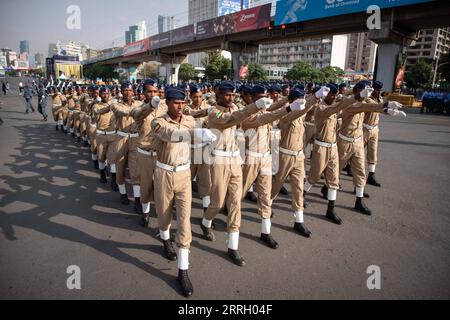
{"x": 101, "y": 71}
{"x": 420, "y": 74}
{"x": 256, "y": 72}
{"x": 304, "y": 71}
{"x": 216, "y": 66}
{"x": 187, "y": 72}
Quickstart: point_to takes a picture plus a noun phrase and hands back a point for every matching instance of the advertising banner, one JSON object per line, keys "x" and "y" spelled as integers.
{"x": 229, "y": 7}
{"x": 136, "y": 47}
{"x": 291, "y": 11}
{"x": 183, "y": 35}
{"x": 253, "y": 19}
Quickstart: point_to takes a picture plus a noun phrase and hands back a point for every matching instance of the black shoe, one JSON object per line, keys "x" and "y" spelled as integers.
{"x": 284, "y": 191}
{"x": 145, "y": 220}
{"x": 73, "y": 135}
{"x": 302, "y": 230}
{"x": 324, "y": 192}
{"x": 269, "y": 241}
{"x": 251, "y": 197}
{"x": 207, "y": 233}
{"x": 366, "y": 195}
{"x": 66, "y": 131}
{"x": 85, "y": 144}
{"x": 361, "y": 207}
{"x": 103, "y": 177}
{"x": 124, "y": 199}
{"x": 331, "y": 214}
{"x": 169, "y": 251}
{"x": 61, "y": 127}
{"x": 138, "y": 205}
{"x": 236, "y": 257}
{"x": 372, "y": 180}
{"x": 96, "y": 164}
{"x": 79, "y": 139}
{"x": 185, "y": 283}
{"x": 114, "y": 186}
{"x": 194, "y": 186}
{"x": 57, "y": 128}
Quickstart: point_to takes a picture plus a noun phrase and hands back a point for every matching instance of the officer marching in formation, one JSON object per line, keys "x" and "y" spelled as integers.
{"x": 211, "y": 140}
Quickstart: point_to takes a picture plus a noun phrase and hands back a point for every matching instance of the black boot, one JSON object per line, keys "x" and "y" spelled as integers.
{"x": 269, "y": 241}
{"x": 331, "y": 214}
{"x": 284, "y": 191}
{"x": 185, "y": 283}
{"x": 361, "y": 207}
{"x": 207, "y": 233}
{"x": 103, "y": 177}
{"x": 86, "y": 144}
{"x": 66, "y": 131}
{"x": 324, "y": 192}
{"x": 236, "y": 257}
{"x": 348, "y": 169}
{"x": 124, "y": 199}
{"x": 138, "y": 205}
{"x": 169, "y": 251}
{"x": 73, "y": 135}
{"x": 57, "y": 128}
{"x": 61, "y": 127}
{"x": 251, "y": 197}
{"x": 372, "y": 180}
{"x": 95, "y": 164}
{"x": 114, "y": 186}
{"x": 302, "y": 230}
{"x": 194, "y": 186}
{"x": 145, "y": 220}
{"x": 79, "y": 139}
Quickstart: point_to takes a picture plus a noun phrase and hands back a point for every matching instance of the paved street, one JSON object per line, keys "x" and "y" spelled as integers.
{"x": 54, "y": 213}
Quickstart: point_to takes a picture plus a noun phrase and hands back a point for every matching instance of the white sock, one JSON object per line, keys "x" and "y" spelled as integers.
{"x": 94, "y": 157}
{"x": 84, "y": 138}
{"x": 265, "y": 226}
{"x": 206, "y": 202}
{"x": 299, "y": 216}
{"x": 332, "y": 194}
{"x": 195, "y": 179}
{"x": 165, "y": 235}
{"x": 233, "y": 240}
{"x": 372, "y": 168}
{"x": 137, "y": 191}
{"x": 71, "y": 130}
{"x": 207, "y": 223}
{"x": 251, "y": 189}
{"x": 183, "y": 259}
{"x": 307, "y": 187}
{"x": 122, "y": 189}
{"x": 146, "y": 207}
{"x": 360, "y": 192}
{"x": 113, "y": 168}
{"x": 78, "y": 135}
{"x": 101, "y": 165}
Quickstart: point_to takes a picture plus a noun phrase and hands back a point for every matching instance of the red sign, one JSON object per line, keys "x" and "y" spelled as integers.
{"x": 244, "y": 72}
{"x": 136, "y": 47}
{"x": 253, "y": 19}
{"x": 400, "y": 78}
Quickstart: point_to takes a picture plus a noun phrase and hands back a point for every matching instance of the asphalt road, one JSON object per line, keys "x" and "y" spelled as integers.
{"x": 54, "y": 213}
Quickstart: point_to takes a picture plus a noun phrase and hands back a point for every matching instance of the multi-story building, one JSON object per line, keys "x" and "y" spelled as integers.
{"x": 165, "y": 23}
{"x": 136, "y": 33}
{"x": 431, "y": 44}
{"x": 24, "y": 46}
{"x": 361, "y": 54}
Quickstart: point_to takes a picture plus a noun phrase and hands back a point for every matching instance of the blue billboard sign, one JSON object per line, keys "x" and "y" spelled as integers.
{"x": 291, "y": 11}
{"x": 229, "y": 6}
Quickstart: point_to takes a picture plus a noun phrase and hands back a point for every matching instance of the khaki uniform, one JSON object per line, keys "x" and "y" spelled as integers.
{"x": 84, "y": 102}
{"x": 309, "y": 124}
{"x": 64, "y": 109}
{"x": 292, "y": 157}
{"x": 73, "y": 108}
{"x": 200, "y": 169}
{"x": 258, "y": 163}
{"x": 127, "y": 141}
{"x": 325, "y": 157}
{"x": 371, "y": 132}
{"x": 56, "y": 106}
{"x": 105, "y": 132}
{"x": 173, "y": 185}
{"x": 147, "y": 147}
{"x": 351, "y": 140}
{"x": 226, "y": 170}
{"x": 92, "y": 126}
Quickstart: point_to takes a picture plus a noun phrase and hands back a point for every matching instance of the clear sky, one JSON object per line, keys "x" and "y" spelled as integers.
{"x": 102, "y": 22}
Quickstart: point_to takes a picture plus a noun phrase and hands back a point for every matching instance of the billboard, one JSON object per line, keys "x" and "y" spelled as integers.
{"x": 182, "y": 35}
{"x": 291, "y": 11}
{"x": 160, "y": 40}
{"x": 229, "y": 7}
{"x": 136, "y": 47}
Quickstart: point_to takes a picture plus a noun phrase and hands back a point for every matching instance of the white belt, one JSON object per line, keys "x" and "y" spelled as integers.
{"x": 198, "y": 146}
{"x": 147, "y": 153}
{"x": 325, "y": 144}
{"x": 105, "y": 133}
{"x": 369, "y": 127}
{"x": 71, "y": 111}
{"x": 128, "y": 135}
{"x": 292, "y": 153}
{"x": 257, "y": 154}
{"x": 311, "y": 124}
{"x": 240, "y": 134}
{"x": 349, "y": 139}
{"x": 227, "y": 154}
{"x": 57, "y": 105}
{"x": 166, "y": 167}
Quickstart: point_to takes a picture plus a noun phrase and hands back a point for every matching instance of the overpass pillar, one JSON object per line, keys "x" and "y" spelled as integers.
{"x": 387, "y": 64}
{"x": 235, "y": 59}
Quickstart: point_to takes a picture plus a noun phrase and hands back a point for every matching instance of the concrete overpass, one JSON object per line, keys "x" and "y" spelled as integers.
{"x": 398, "y": 28}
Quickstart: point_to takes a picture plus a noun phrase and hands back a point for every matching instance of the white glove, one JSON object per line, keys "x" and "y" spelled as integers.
{"x": 322, "y": 93}
{"x": 394, "y": 105}
{"x": 367, "y": 92}
{"x": 264, "y": 103}
{"x": 155, "y": 101}
{"x": 395, "y": 112}
{"x": 207, "y": 95}
{"x": 298, "y": 105}
{"x": 205, "y": 135}
{"x": 98, "y": 99}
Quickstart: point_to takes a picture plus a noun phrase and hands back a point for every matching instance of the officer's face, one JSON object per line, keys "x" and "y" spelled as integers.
{"x": 329, "y": 99}
{"x": 162, "y": 94}
{"x": 376, "y": 93}
{"x": 150, "y": 93}
{"x": 197, "y": 98}
{"x": 286, "y": 92}
{"x": 257, "y": 96}
{"x": 274, "y": 96}
{"x": 127, "y": 94}
{"x": 95, "y": 94}
{"x": 356, "y": 93}
{"x": 226, "y": 98}
{"x": 105, "y": 95}
{"x": 175, "y": 107}
{"x": 247, "y": 98}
